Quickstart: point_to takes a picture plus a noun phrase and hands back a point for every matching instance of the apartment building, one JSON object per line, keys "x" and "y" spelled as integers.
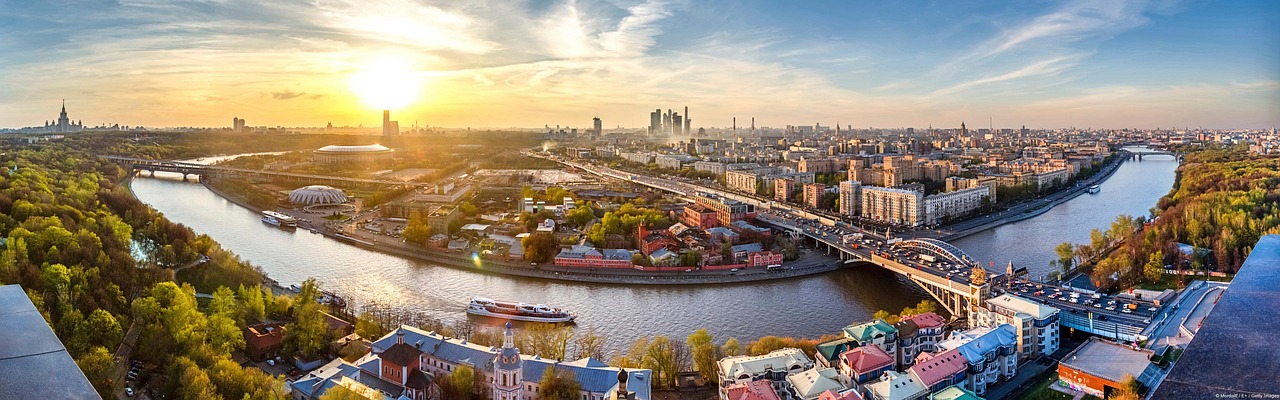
{"x": 1035, "y": 323}
{"x": 893, "y": 205}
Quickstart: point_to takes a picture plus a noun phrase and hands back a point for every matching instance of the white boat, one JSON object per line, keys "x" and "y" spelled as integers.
{"x": 279, "y": 219}
{"x": 1095, "y": 189}
{"x": 518, "y": 311}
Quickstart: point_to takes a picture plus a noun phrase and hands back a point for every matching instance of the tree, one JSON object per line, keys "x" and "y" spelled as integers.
{"x": 416, "y": 229}
{"x": 1154, "y": 269}
{"x": 589, "y": 344}
{"x": 253, "y": 308}
{"x": 224, "y": 303}
{"x": 705, "y": 355}
{"x": 102, "y": 329}
{"x": 307, "y": 335}
{"x": 579, "y": 216}
{"x": 539, "y": 247}
{"x": 1066, "y": 254}
{"x": 339, "y": 392}
{"x": 731, "y": 348}
{"x": 1128, "y": 390}
{"x": 550, "y": 341}
{"x": 558, "y": 385}
{"x": 660, "y": 357}
{"x": 97, "y": 365}
{"x": 224, "y": 334}
{"x": 461, "y": 384}
{"x": 368, "y": 326}
{"x": 192, "y": 382}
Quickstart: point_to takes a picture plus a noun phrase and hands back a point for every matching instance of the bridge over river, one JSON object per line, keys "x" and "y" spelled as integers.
{"x": 953, "y": 278}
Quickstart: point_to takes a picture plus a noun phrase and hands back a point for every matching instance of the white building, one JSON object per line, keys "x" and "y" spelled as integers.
{"x": 895, "y": 385}
{"x": 850, "y": 198}
{"x": 1036, "y": 324}
{"x": 899, "y": 206}
{"x": 954, "y": 204}
{"x": 774, "y": 366}
{"x": 741, "y": 180}
{"x": 810, "y": 384}
{"x": 710, "y": 166}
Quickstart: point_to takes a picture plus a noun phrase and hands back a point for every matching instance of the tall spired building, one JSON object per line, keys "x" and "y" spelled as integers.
{"x": 63, "y": 125}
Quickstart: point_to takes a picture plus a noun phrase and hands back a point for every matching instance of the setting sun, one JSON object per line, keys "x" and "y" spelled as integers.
{"x": 386, "y": 83}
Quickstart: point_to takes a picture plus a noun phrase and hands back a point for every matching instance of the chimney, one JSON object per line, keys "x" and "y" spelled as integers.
{"x": 400, "y": 336}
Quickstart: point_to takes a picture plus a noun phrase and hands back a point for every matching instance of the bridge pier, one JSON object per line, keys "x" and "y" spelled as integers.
{"x": 152, "y": 173}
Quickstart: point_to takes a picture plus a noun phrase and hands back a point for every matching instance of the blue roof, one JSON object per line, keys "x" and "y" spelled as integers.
{"x": 595, "y": 376}
{"x": 595, "y": 380}
{"x": 748, "y": 247}
{"x": 975, "y": 351}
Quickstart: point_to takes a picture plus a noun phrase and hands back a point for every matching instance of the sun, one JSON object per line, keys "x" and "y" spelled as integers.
{"x": 386, "y": 83}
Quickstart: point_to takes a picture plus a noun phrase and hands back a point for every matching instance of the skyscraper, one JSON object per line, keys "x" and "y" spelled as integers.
{"x": 389, "y": 127}
{"x": 64, "y": 124}
{"x": 655, "y": 121}
{"x": 677, "y": 124}
{"x": 686, "y": 122}
{"x": 596, "y": 125}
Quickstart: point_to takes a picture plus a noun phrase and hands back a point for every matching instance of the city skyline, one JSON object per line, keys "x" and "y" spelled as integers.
{"x": 1132, "y": 64}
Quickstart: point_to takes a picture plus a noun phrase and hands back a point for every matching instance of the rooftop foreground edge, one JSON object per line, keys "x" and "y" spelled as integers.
{"x": 1234, "y": 354}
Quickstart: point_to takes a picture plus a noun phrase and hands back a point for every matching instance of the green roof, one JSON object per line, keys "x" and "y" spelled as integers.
{"x": 831, "y": 349}
{"x": 867, "y": 331}
{"x": 954, "y": 392}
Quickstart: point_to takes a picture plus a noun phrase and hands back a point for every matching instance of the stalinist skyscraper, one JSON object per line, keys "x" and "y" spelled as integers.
{"x": 63, "y": 125}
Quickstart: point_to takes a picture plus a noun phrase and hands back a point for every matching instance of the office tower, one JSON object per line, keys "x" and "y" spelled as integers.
{"x": 686, "y": 121}
{"x": 596, "y": 125}
{"x": 655, "y": 121}
{"x": 677, "y": 124}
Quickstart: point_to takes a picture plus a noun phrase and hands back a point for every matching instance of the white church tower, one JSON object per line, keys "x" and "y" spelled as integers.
{"x": 508, "y": 375}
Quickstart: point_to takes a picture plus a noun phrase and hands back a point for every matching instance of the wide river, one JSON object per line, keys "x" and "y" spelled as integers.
{"x": 808, "y": 306}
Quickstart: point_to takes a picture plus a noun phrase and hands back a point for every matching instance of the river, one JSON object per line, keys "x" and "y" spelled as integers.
{"x": 808, "y": 306}
{"x": 1133, "y": 189}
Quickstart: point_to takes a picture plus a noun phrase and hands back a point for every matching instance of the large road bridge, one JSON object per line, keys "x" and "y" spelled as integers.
{"x": 950, "y": 278}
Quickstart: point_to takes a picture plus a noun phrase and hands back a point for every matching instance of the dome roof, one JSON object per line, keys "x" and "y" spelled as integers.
{"x": 368, "y": 148}
{"x": 317, "y": 194}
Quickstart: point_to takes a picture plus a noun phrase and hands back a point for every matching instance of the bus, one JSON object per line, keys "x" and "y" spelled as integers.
{"x": 773, "y": 267}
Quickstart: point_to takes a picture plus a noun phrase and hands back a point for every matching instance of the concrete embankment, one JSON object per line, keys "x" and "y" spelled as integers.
{"x": 1069, "y": 194}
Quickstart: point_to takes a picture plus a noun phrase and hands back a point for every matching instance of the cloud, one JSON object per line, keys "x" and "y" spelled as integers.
{"x": 1073, "y": 22}
{"x": 1043, "y": 68}
{"x": 286, "y": 95}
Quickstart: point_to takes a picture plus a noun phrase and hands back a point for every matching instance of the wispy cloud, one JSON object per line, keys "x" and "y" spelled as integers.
{"x": 286, "y": 95}
{"x": 1074, "y": 21}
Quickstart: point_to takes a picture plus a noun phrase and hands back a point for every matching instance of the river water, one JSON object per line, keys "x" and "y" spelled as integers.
{"x": 807, "y": 306}
{"x": 1133, "y": 189}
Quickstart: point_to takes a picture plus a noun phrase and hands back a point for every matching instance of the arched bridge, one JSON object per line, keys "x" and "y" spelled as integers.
{"x": 938, "y": 248}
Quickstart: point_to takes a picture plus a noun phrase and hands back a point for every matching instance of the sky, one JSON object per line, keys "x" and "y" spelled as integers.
{"x": 500, "y": 63}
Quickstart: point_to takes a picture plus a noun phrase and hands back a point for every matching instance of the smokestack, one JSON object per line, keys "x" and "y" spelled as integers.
{"x": 735, "y": 124}
{"x": 753, "y": 125}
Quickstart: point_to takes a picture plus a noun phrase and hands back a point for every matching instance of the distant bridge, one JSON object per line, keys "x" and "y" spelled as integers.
{"x": 202, "y": 171}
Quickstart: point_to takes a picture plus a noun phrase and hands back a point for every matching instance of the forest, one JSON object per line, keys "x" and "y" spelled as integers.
{"x": 1223, "y": 200}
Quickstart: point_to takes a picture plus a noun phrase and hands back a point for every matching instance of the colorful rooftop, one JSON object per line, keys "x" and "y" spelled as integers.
{"x": 868, "y": 331}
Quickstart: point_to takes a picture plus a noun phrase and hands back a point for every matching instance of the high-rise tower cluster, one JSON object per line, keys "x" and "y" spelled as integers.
{"x": 669, "y": 123}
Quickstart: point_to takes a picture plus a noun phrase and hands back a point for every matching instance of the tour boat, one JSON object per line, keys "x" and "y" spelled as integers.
{"x": 279, "y": 219}
{"x": 518, "y": 311}
{"x": 1095, "y": 189}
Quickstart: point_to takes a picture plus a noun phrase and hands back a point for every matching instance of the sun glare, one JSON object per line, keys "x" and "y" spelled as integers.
{"x": 387, "y": 83}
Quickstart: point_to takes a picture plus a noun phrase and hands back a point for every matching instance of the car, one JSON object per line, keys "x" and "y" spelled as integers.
{"x": 271, "y": 362}
{"x": 1111, "y": 308}
{"x": 1097, "y": 305}
{"x": 689, "y": 270}
{"x": 1146, "y": 321}
{"x": 1125, "y": 310}
{"x": 1075, "y": 299}
{"x": 128, "y": 391}
{"x": 1152, "y": 309}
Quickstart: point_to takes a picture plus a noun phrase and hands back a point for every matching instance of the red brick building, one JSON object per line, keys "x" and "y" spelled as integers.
{"x": 263, "y": 341}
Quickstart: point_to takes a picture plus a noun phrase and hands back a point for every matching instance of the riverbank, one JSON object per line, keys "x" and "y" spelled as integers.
{"x": 1053, "y": 201}
{"x": 809, "y": 264}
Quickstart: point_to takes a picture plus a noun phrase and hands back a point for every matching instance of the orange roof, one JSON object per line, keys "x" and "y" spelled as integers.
{"x": 866, "y": 358}
{"x": 754, "y": 390}
{"x": 833, "y": 395}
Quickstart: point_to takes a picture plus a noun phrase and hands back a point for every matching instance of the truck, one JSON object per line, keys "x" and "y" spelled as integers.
{"x": 852, "y": 238}
{"x": 928, "y": 257}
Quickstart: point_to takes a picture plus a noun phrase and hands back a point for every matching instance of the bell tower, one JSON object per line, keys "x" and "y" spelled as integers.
{"x": 508, "y": 374}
